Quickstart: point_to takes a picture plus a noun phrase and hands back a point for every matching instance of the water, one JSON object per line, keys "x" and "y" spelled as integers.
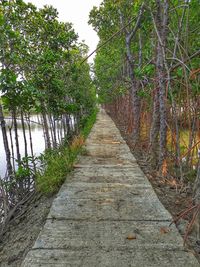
{"x": 37, "y": 140}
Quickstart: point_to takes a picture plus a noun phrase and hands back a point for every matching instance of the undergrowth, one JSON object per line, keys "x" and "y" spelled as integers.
{"x": 57, "y": 163}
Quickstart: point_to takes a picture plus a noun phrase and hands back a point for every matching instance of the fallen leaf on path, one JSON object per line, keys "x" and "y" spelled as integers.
{"x": 77, "y": 166}
{"x": 111, "y": 142}
{"x": 106, "y": 201}
{"x": 131, "y": 237}
{"x": 164, "y": 230}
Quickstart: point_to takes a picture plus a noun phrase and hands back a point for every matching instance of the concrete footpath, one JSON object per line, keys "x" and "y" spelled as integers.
{"x": 107, "y": 214}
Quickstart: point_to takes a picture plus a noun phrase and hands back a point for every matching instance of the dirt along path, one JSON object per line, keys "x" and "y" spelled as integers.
{"x": 107, "y": 214}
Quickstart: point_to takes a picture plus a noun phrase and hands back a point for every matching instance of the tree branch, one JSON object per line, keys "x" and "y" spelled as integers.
{"x": 186, "y": 60}
{"x": 118, "y": 32}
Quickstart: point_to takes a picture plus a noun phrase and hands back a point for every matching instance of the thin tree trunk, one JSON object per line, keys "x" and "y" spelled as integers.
{"x": 154, "y": 131}
{"x": 161, "y": 28}
{"x": 196, "y": 197}
{"x": 46, "y": 130}
{"x": 52, "y": 130}
{"x": 134, "y": 85}
{"x": 177, "y": 145}
{"x": 12, "y": 146}
{"x": 24, "y": 135}
{"x": 134, "y": 91}
{"x": 5, "y": 142}
{"x": 31, "y": 143}
{"x": 191, "y": 142}
{"x": 16, "y": 136}
{"x": 140, "y": 51}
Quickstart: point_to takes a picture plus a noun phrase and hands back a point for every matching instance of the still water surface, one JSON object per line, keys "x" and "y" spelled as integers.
{"x": 37, "y": 139}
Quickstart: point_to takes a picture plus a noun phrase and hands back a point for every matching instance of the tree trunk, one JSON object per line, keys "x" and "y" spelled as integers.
{"x": 196, "y": 197}
{"x": 16, "y": 136}
{"x": 134, "y": 85}
{"x": 12, "y": 147}
{"x": 31, "y": 143}
{"x": 161, "y": 27}
{"x": 5, "y": 142}
{"x": 134, "y": 90}
{"x": 24, "y": 135}
{"x": 154, "y": 132}
{"x": 51, "y": 127}
{"x": 46, "y": 127}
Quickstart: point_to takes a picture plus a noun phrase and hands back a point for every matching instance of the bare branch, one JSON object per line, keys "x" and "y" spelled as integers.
{"x": 118, "y": 32}
{"x": 181, "y": 62}
{"x": 137, "y": 24}
{"x": 186, "y": 60}
{"x": 109, "y": 39}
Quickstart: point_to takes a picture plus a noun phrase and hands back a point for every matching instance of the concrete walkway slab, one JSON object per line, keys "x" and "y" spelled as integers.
{"x": 107, "y": 213}
{"x": 102, "y": 258}
{"x": 114, "y": 209}
{"x": 108, "y": 235}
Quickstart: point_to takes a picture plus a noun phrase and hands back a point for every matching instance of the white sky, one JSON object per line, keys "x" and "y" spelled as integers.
{"x": 76, "y": 12}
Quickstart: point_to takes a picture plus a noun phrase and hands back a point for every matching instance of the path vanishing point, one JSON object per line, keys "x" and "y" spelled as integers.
{"x": 107, "y": 214}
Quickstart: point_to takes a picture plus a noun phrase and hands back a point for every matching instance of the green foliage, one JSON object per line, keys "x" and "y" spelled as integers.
{"x": 41, "y": 73}
{"x": 88, "y": 122}
{"x": 57, "y": 163}
{"x": 40, "y": 61}
{"x": 179, "y": 72}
